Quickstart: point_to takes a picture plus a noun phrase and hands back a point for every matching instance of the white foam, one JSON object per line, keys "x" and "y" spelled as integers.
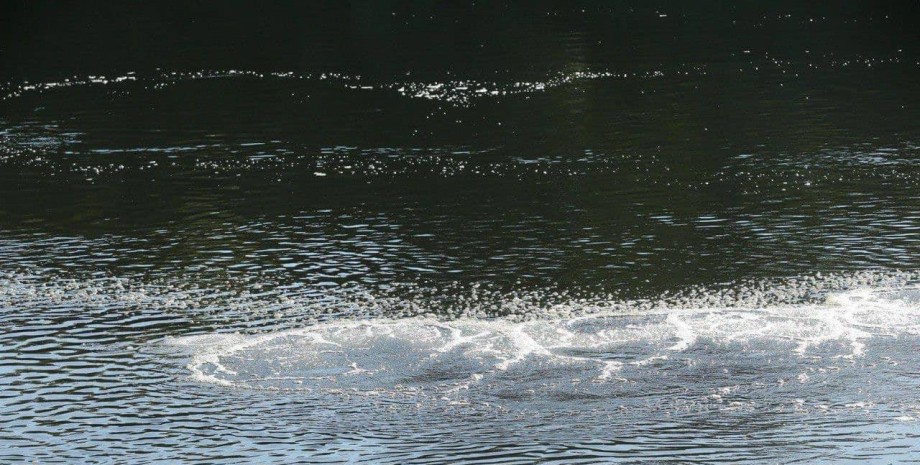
{"x": 425, "y": 352}
{"x": 684, "y": 332}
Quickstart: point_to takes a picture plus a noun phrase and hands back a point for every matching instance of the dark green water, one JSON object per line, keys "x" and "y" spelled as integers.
{"x": 438, "y": 232}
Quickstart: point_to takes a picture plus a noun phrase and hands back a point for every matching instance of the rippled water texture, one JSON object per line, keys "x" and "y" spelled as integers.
{"x": 427, "y": 233}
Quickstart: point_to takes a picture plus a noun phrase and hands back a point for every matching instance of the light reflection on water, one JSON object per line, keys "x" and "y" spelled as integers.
{"x": 694, "y": 376}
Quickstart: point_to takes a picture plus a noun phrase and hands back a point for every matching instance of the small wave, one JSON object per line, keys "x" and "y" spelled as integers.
{"x": 606, "y": 348}
{"x": 460, "y": 92}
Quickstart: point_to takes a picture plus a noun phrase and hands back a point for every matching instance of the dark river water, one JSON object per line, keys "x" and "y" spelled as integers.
{"x": 437, "y": 232}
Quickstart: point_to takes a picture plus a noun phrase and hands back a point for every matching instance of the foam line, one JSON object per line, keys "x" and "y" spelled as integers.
{"x": 383, "y": 353}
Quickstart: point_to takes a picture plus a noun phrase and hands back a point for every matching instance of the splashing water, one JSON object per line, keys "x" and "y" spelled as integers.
{"x": 424, "y": 353}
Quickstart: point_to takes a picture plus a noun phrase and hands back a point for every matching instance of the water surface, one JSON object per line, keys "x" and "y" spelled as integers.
{"x": 429, "y": 233}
